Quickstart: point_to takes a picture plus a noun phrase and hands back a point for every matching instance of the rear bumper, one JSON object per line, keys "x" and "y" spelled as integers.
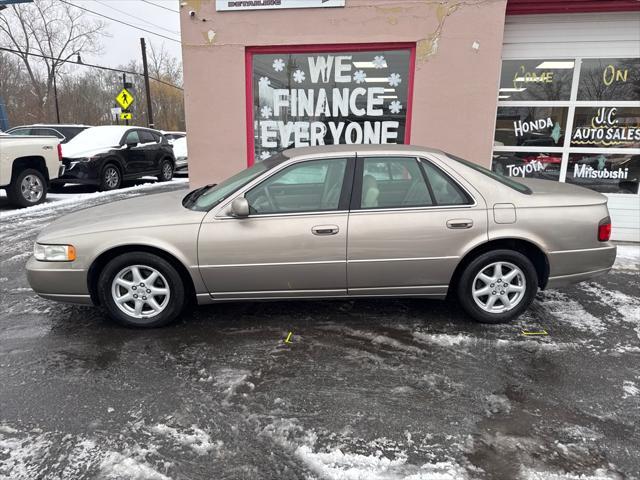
{"x": 572, "y": 266}
{"x": 58, "y": 281}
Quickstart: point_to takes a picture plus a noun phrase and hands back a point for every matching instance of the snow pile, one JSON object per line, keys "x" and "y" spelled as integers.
{"x": 630, "y": 389}
{"x": 132, "y": 466}
{"x": 337, "y": 465}
{"x": 627, "y": 257}
{"x": 195, "y": 438}
{"x": 624, "y": 307}
{"x": 599, "y": 474}
{"x": 444, "y": 339}
{"x": 566, "y": 310}
{"x": 21, "y": 458}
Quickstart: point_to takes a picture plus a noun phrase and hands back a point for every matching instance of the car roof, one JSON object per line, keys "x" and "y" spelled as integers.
{"x": 124, "y": 128}
{"x": 349, "y": 149}
{"x": 52, "y": 125}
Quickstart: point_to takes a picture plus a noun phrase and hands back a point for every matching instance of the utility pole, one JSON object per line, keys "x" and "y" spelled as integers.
{"x": 145, "y": 70}
{"x": 124, "y": 85}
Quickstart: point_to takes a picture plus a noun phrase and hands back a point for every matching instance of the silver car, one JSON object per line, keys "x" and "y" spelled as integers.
{"x": 330, "y": 222}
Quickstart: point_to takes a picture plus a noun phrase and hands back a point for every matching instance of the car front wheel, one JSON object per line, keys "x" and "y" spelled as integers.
{"x": 140, "y": 289}
{"x": 111, "y": 178}
{"x": 497, "y": 286}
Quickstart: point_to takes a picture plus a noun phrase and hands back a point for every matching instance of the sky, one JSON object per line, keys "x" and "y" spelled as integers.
{"x": 124, "y": 43}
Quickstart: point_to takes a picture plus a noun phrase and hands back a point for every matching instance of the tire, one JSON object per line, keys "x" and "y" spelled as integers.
{"x": 519, "y": 285}
{"x": 110, "y": 178}
{"x": 122, "y": 268}
{"x": 28, "y": 188}
{"x": 166, "y": 171}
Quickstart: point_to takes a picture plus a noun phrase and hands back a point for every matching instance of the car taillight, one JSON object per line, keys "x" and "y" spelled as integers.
{"x": 604, "y": 230}
{"x": 59, "y": 152}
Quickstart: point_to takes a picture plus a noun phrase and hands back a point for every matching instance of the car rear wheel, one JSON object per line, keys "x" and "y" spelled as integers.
{"x": 166, "y": 171}
{"x": 140, "y": 289}
{"x": 110, "y": 179}
{"x": 29, "y": 188}
{"x": 497, "y": 286}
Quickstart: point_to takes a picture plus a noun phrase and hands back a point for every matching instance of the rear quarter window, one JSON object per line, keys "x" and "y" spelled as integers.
{"x": 519, "y": 187}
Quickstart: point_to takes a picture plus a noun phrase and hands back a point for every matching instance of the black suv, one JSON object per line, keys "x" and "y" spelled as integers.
{"x": 107, "y": 155}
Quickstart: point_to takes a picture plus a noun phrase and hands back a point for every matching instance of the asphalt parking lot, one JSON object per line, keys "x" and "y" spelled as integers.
{"x": 366, "y": 389}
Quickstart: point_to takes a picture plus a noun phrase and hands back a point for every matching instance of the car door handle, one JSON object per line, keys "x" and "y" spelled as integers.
{"x": 460, "y": 223}
{"x": 325, "y": 230}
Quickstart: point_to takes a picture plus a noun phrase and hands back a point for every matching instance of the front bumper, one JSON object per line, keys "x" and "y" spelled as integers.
{"x": 58, "y": 281}
{"x": 86, "y": 173}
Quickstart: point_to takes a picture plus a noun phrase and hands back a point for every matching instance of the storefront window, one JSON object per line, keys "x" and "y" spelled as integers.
{"x": 605, "y": 173}
{"x": 539, "y": 100}
{"x": 609, "y": 79}
{"x": 528, "y": 164}
{"x": 324, "y": 98}
{"x": 536, "y": 80}
{"x": 606, "y": 127}
{"x": 531, "y": 126}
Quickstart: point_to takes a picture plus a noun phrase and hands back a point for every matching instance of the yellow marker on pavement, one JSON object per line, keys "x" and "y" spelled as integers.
{"x": 540, "y": 332}
{"x": 288, "y": 339}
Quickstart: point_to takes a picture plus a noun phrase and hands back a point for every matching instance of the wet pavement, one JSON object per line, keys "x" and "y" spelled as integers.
{"x": 366, "y": 389}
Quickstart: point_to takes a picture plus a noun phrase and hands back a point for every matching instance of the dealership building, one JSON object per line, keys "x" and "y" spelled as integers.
{"x": 540, "y": 89}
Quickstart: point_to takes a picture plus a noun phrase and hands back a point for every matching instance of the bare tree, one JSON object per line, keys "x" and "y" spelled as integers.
{"x": 53, "y": 30}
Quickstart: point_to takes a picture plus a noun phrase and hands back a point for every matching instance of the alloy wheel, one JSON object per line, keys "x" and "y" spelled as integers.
{"x": 167, "y": 171}
{"x": 111, "y": 177}
{"x": 499, "y": 287}
{"x": 31, "y": 188}
{"x": 140, "y": 291}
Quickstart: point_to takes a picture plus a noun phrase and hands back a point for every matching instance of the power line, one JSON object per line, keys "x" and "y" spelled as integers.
{"x": 137, "y": 18}
{"x": 161, "y": 6}
{"x": 119, "y": 21}
{"x": 119, "y": 70}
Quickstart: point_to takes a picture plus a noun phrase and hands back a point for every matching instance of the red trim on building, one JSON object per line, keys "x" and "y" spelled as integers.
{"x": 524, "y": 7}
{"x": 327, "y": 48}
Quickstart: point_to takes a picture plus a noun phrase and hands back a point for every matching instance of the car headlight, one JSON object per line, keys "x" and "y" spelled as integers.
{"x": 54, "y": 253}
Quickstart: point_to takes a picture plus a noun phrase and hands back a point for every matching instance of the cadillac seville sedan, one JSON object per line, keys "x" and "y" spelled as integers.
{"x": 330, "y": 222}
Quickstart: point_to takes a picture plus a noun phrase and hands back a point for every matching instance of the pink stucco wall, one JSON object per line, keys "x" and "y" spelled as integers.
{"x": 455, "y": 84}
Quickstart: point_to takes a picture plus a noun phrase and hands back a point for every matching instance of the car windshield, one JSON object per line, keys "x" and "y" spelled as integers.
{"x": 498, "y": 178}
{"x": 107, "y": 136}
{"x": 208, "y": 197}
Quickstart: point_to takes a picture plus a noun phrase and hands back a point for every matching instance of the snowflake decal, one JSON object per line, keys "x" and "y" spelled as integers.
{"x": 359, "y": 76}
{"x": 264, "y": 155}
{"x": 298, "y": 76}
{"x": 278, "y": 65}
{"x": 266, "y": 112}
{"x": 379, "y": 62}
{"x": 264, "y": 82}
{"x": 395, "y": 106}
{"x": 394, "y": 79}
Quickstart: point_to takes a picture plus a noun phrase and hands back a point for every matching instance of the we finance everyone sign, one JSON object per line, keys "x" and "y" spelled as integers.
{"x": 322, "y": 98}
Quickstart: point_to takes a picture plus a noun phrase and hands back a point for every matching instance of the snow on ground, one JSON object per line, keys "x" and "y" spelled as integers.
{"x": 56, "y": 200}
{"x": 195, "y": 438}
{"x": 627, "y": 257}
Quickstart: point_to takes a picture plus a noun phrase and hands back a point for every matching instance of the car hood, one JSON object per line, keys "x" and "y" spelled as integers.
{"x": 554, "y": 193}
{"x": 69, "y": 150}
{"x": 162, "y": 209}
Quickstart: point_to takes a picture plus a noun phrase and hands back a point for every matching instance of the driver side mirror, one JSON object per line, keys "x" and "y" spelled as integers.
{"x": 240, "y": 207}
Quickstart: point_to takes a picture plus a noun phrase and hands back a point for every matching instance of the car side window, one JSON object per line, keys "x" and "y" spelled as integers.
{"x": 146, "y": 137}
{"x": 309, "y": 186}
{"x": 445, "y": 190}
{"x": 46, "y": 132}
{"x": 21, "y": 131}
{"x": 132, "y": 138}
{"x": 393, "y": 182}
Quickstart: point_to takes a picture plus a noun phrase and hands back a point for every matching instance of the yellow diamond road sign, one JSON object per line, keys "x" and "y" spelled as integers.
{"x": 125, "y": 116}
{"x": 124, "y": 98}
